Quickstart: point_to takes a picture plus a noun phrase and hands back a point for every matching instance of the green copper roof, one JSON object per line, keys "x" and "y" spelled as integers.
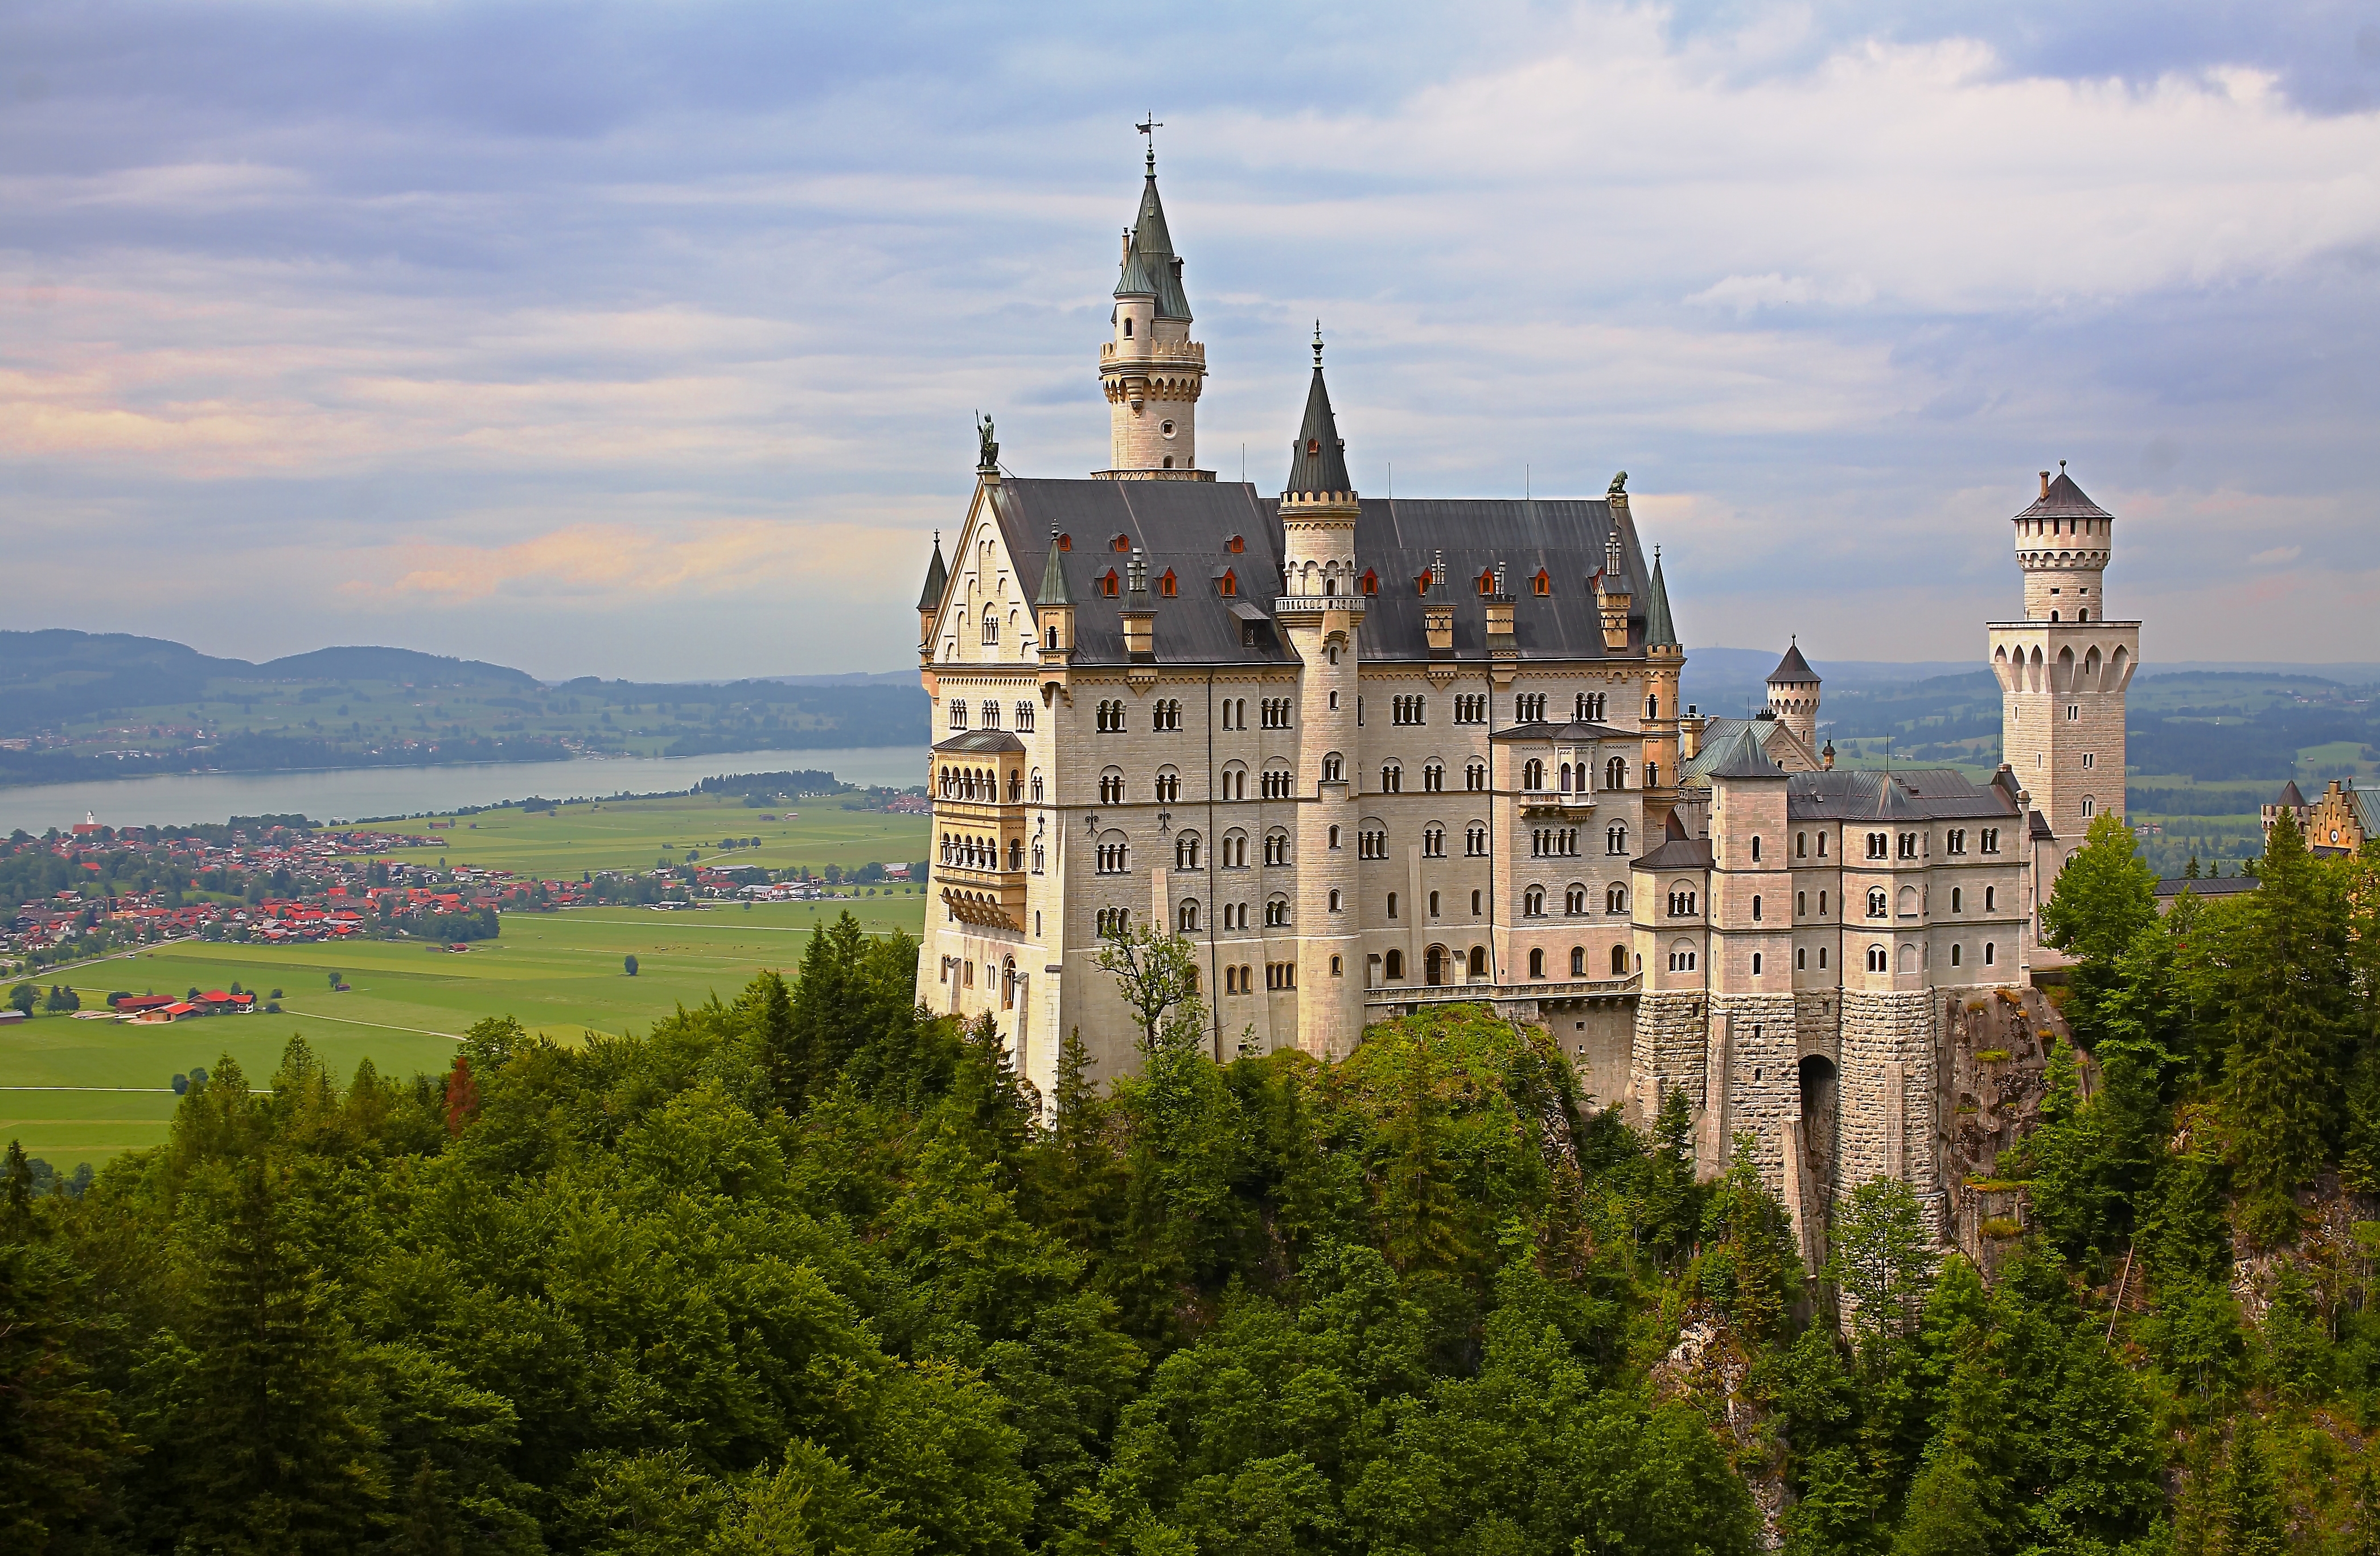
{"x": 1150, "y": 268}
{"x": 1054, "y": 577}
{"x": 1659, "y": 632}
{"x": 1318, "y": 461}
{"x": 1744, "y": 758}
{"x": 938, "y": 577}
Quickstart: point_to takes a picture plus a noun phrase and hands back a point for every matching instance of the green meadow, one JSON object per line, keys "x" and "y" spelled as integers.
{"x": 561, "y": 974}
{"x": 639, "y": 833}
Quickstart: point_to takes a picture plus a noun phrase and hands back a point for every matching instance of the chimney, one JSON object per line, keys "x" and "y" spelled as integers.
{"x": 1140, "y": 617}
{"x": 2045, "y": 483}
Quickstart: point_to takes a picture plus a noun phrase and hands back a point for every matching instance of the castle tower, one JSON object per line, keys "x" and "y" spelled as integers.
{"x": 2062, "y": 671}
{"x": 1151, "y": 369}
{"x": 1320, "y": 612}
{"x": 929, "y": 601}
{"x": 1665, "y": 663}
{"x": 1793, "y": 697}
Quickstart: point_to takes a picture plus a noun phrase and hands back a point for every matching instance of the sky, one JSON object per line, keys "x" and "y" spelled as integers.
{"x": 645, "y": 340}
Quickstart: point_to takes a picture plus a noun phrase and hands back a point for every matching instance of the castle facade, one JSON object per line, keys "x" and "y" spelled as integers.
{"x": 1370, "y": 754}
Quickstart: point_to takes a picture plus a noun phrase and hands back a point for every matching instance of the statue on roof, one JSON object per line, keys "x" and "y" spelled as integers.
{"x": 987, "y": 451}
{"x": 1619, "y": 485}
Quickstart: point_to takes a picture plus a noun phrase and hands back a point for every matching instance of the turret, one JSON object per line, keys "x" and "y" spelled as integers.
{"x": 2063, "y": 542}
{"x": 1151, "y": 370}
{"x": 1053, "y": 615}
{"x": 1793, "y": 697}
{"x": 1614, "y": 590}
{"x": 929, "y": 599}
{"x": 1664, "y": 663}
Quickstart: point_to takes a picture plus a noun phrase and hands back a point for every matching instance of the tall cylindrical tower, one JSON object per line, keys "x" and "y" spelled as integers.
{"x": 2063, "y": 542}
{"x": 1321, "y": 613}
{"x": 1793, "y": 697}
{"x": 1151, "y": 370}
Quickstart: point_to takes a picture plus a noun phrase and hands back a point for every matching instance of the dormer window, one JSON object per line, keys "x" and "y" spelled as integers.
{"x": 1421, "y": 584}
{"x": 1165, "y": 584}
{"x": 1065, "y": 542}
{"x": 1228, "y": 585}
{"x": 1371, "y": 582}
{"x": 1108, "y": 583}
{"x": 1122, "y": 543}
{"x": 1312, "y": 447}
{"x": 1487, "y": 582}
{"x": 1545, "y": 583}
{"x": 1235, "y": 545}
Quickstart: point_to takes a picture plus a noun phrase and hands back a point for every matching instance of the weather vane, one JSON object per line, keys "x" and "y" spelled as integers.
{"x": 1149, "y": 126}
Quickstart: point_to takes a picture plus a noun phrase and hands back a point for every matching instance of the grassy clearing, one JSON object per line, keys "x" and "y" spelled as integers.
{"x": 639, "y": 833}
{"x": 559, "y": 974}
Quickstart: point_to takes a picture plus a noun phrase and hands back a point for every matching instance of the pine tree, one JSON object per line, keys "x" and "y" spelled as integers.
{"x": 2103, "y": 896}
{"x": 2278, "y": 1093}
{"x": 462, "y": 1095}
{"x": 1420, "y": 1208}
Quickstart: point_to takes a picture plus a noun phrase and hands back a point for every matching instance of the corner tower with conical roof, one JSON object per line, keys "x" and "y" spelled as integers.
{"x": 1150, "y": 369}
{"x": 2063, "y": 670}
{"x": 1664, "y": 663}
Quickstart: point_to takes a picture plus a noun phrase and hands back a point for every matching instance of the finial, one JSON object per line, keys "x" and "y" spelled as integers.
{"x": 1318, "y": 343}
{"x": 1149, "y": 126}
{"x": 2061, "y": 467}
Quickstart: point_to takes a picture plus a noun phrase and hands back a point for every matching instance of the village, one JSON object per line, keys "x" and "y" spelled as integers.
{"x": 76, "y": 895}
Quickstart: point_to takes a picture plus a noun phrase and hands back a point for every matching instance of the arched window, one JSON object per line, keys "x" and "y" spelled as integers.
{"x": 1187, "y": 919}
{"x": 1615, "y": 773}
{"x": 1565, "y": 777}
{"x": 1479, "y": 960}
{"x": 1277, "y": 913}
{"x": 1876, "y": 905}
{"x": 1474, "y": 776}
{"x": 1393, "y": 964}
{"x": 1755, "y": 909}
{"x": 1533, "y": 902}
{"x": 1334, "y": 769}
{"x": 1615, "y": 840}
{"x": 1108, "y": 583}
{"x": 1877, "y": 960}
{"x": 1956, "y": 950}
{"x": 1615, "y": 898}
{"x": 1185, "y": 851}
{"x": 1578, "y": 961}
{"x": 1334, "y": 902}
{"x": 1989, "y": 953}
{"x": 1620, "y": 961}
{"x": 1574, "y": 901}
{"x": 1036, "y": 785}
{"x": 1755, "y": 848}
{"x": 1536, "y": 961}
{"x": 1990, "y": 894}
{"x": 1533, "y": 775}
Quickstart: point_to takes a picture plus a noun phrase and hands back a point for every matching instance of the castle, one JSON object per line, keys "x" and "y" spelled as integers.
{"x": 1374, "y": 754}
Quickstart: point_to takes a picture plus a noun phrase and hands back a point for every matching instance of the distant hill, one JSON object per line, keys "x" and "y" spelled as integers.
{"x": 46, "y": 677}
{"x": 393, "y": 664}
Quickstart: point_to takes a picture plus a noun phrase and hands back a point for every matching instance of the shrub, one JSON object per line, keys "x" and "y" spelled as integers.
{"x": 1991, "y": 1055}
{"x": 2000, "y": 1227}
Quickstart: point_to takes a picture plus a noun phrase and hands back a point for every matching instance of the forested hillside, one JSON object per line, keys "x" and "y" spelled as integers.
{"x": 813, "y": 1271}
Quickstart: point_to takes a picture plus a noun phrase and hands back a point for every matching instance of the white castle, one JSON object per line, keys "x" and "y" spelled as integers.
{"x": 1373, "y": 754}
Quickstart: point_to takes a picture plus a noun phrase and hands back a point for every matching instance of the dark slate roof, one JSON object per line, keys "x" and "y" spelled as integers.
{"x": 2291, "y": 798}
{"x": 938, "y": 578}
{"x": 1572, "y": 730}
{"x": 1317, "y": 460}
{"x": 1676, "y": 853}
{"x": 1658, "y": 630}
{"x": 1792, "y": 667}
{"x": 2206, "y": 886}
{"x": 1719, "y": 734}
{"x": 1925, "y": 794}
{"x": 1185, "y": 526}
{"x": 980, "y": 742}
{"x": 1399, "y": 538}
{"x": 2037, "y": 825}
{"x": 2065, "y": 500}
{"x": 1150, "y": 268}
{"x": 1744, "y": 756}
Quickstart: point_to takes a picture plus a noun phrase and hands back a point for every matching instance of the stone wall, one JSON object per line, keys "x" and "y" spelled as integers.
{"x": 1994, "y": 1075}
{"x": 1669, "y": 1050}
{"x": 1763, "y": 1088}
{"x": 1888, "y": 1094}
{"x": 1600, "y": 1036}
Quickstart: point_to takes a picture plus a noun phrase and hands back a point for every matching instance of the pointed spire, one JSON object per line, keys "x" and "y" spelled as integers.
{"x": 1658, "y": 631}
{"x": 938, "y": 577}
{"x": 1054, "y": 577}
{"x": 1317, "y": 460}
{"x": 1151, "y": 266}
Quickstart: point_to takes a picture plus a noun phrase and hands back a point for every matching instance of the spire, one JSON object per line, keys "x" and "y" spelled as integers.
{"x": 938, "y": 577}
{"x": 1793, "y": 668}
{"x": 1659, "y": 632}
{"x": 1318, "y": 459}
{"x": 1054, "y": 577}
{"x": 1150, "y": 267}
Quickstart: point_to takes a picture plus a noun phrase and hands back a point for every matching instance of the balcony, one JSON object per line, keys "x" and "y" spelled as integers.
{"x": 1388, "y": 996}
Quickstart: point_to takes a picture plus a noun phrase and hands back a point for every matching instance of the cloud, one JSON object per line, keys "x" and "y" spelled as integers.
{"x": 503, "y": 325}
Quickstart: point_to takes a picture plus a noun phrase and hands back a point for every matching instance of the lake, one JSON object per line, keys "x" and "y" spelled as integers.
{"x": 347, "y": 794}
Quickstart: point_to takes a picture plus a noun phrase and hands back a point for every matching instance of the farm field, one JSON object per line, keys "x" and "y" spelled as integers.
{"x": 640, "y": 833}
{"x": 561, "y": 974}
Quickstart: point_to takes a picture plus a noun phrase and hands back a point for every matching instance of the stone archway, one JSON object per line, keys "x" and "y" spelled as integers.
{"x": 1433, "y": 966}
{"x": 1821, "y": 1113}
